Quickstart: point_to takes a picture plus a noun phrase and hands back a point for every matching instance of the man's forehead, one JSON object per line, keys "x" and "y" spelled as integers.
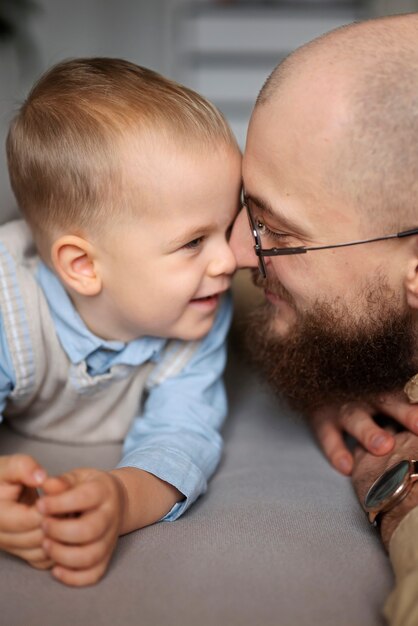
{"x": 270, "y": 179}
{"x": 300, "y": 204}
{"x": 289, "y": 163}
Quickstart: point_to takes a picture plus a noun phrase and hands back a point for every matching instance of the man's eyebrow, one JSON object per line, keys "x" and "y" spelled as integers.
{"x": 275, "y": 214}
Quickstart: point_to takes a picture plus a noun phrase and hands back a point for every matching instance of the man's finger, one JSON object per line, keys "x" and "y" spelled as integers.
{"x": 358, "y": 423}
{"x": 21, "y": 469}
{"x": 332, "y": 443}
{"x": 358, "y": 454}
{"x": 401, "y": 410}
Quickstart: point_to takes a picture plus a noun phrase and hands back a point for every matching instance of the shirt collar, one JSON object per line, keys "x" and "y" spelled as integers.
{"x": 77, "y": 340}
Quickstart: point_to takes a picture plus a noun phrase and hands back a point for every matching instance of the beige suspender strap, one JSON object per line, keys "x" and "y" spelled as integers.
{"x": 16, "y": 325}
{"x": 177, "y": 354}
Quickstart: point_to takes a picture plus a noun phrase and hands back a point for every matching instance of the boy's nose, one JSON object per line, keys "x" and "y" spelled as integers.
{"x": 224, "y": 262}
{"x": 242, "y": 242}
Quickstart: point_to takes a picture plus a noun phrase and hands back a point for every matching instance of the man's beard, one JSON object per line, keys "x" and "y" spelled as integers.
{"x": 330, "y": 354}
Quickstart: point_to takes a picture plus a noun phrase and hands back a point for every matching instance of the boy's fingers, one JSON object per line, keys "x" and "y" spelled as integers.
{"x": 80, "y": 578}
{"x": 56, "y": 485}
{"x": 33, "y": 555}
{"x": 85, "y": 529}
{"x": 332, "y": 444}
{"x": 80, "y": 498}
{"x": 77, "y": 557}
{"x": 10, "y": 492}
{"x": 18, "y": 518}
{"x": 44, "y": 564}
{"x": 26, "y": 540}
{"x": 21, "y": 468}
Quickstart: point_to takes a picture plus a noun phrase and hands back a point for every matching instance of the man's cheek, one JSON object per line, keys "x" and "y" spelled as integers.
{"x": 284, "y": 319}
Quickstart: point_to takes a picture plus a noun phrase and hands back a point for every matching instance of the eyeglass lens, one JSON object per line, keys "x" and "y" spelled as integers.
{"x": 258, "y": 246}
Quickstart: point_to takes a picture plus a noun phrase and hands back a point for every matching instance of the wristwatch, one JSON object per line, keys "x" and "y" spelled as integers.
{"x": 389, "y": 489}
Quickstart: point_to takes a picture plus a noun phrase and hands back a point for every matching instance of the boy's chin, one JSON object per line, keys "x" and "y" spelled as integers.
{"x": 197, "y": 331}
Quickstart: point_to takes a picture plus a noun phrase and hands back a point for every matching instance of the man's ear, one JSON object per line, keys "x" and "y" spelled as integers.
{"x": 74, "y": 261}
{"x": 411, "y": 278}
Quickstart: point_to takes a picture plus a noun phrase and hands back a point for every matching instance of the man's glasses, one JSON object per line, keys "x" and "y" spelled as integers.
{"x": 256, "y": 225}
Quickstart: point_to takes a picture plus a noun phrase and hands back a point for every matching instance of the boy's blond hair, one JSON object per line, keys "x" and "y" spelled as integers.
{"x": 64, "y": 145}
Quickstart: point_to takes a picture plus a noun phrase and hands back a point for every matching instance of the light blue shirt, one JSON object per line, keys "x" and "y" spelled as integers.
{"x": 176, "y": 437}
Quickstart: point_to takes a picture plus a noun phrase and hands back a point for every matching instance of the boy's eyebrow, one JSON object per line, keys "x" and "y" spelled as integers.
{"x": 275, "y": 214}
{"x": 195, "y": 232}
{"x": 188, "y": 235}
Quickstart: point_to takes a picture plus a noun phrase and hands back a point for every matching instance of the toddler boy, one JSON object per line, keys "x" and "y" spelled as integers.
{"x": 113, "y": 305}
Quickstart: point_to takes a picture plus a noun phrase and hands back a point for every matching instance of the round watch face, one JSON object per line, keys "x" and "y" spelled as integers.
{"x": 386, "y": 485}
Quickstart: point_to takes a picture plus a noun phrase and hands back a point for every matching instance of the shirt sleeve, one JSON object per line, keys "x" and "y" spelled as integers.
{"x": 177, "y": 436}
{"x": 7, "y": 373}
{"x": 401, "y": 608}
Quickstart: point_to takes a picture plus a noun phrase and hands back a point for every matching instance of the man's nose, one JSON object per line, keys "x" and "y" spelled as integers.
{"x": 242, "y": 242}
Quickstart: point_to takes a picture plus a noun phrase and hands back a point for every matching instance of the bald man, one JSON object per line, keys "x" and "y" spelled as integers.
{"x": 331, "y": 196}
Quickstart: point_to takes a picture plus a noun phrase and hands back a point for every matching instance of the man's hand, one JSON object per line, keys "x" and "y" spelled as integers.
{"x": 83, "y": 512}
{"x": 330, "y": 423}
{"x": 20, "y": 522}
{"x": 367, "y": 467}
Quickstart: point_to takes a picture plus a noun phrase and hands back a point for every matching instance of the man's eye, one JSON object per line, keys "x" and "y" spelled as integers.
{"x": 265, "y": 232}
{"x": 195, "y": 243}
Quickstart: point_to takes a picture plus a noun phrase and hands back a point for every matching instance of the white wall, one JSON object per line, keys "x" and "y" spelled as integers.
{"x": 389, "y": 7}
{"x": 67, "y": 28}
{"x": 133, "y": 29}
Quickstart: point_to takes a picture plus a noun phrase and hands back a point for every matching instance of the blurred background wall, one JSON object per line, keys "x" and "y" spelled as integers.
{"x": 225, "y": 49}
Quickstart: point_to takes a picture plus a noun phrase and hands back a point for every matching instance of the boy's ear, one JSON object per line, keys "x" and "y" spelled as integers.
{"x": 411, "y": 278}
{"x": 73, "y": 259}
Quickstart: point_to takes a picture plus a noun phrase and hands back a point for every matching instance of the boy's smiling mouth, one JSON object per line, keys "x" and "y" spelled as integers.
{"x": 207, "y": 302}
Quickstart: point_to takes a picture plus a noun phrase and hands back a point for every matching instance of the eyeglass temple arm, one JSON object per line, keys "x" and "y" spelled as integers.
{"x": 303, "y": 249}
{"x": 408, "y": 233}
{"x": 280, "y": 251}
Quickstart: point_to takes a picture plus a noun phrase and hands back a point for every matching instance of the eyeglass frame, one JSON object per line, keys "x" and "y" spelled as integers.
{"x": 262, "y": 252}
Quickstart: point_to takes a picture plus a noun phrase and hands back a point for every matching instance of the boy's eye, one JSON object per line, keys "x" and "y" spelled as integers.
{"x": 195, "y": 243}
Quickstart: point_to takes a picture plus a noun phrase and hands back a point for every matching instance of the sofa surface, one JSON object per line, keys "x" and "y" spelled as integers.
{"x": 278, "y": 540}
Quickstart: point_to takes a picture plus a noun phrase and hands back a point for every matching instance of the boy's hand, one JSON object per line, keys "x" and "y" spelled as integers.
{"x": 356, "y": 419}
{"x": 81, "y": 524}
{"x": 20, "y": 522}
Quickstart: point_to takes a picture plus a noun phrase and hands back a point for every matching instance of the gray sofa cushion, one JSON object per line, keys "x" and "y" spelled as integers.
{"x": 278, "y": 540}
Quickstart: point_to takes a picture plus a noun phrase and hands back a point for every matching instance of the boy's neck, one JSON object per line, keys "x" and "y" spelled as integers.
{"x": 97, "y": 319}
